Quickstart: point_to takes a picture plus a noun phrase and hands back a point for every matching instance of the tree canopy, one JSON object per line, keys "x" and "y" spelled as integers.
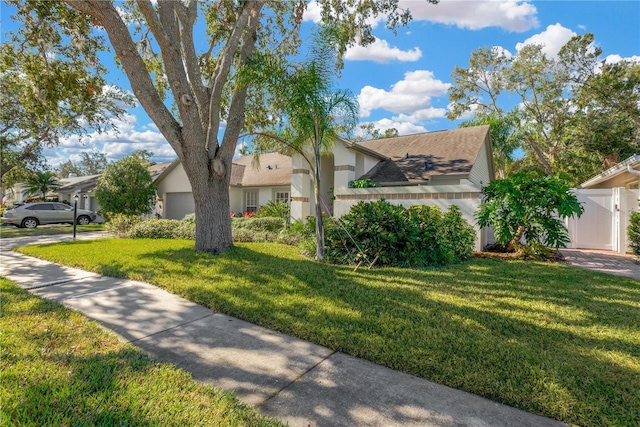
{"x": 574, "y": 113}
{"x": 126, "y": 186}
{"x": 91, "y": 163}
{"x": 185, "y": 75}
{"x": 52, "y": 83}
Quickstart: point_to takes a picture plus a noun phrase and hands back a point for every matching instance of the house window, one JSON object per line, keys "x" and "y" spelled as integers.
{"x": 281, "y": 196}
{"x": 251, "y": 201}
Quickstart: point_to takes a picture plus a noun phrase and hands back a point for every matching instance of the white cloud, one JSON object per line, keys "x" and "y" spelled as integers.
{"x": 403, "y": 128}
{"x": 615, "y": 58}
{"x": 552, "y": 39}
{"x": 512, "y": 15}
{"x": 379, "y": 51}
{"x": 115, "y": 145}
{"x": 422, "y": 115}
{"x": 409, "y": 95}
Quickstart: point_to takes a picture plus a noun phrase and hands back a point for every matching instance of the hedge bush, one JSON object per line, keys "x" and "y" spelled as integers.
{"x": 391, "y": 235}
{"x": 120, "y": 224}
{"x": 264, "y": 224}
{"x": 633, "y": 231}
{"x": 163, "y": 229}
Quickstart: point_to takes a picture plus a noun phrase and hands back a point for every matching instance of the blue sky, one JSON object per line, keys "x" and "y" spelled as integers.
{"x": 401, "y": 81}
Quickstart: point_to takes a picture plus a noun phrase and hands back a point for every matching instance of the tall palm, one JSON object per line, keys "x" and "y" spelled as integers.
{"x": 41, "y": 183}
{"x": 314, "y": 113}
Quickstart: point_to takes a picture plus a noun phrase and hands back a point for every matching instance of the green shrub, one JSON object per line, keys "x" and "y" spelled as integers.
{"x": 249, "y": 235}
{"x": 120, "y": 224}
{"x": 273, "y": 209}
{"x": 633, "y": 231}
{"x": 190, "y": 218}
{"x": 390, "y": 235}
{"x": 258, "y": 224}
{"x": 163, "y": 229}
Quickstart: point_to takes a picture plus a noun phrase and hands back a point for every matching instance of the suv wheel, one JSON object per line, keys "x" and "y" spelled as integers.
{"x": 29, "y": 223}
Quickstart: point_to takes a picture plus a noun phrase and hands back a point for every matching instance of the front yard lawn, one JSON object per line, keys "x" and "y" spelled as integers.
{"x": 60, "y": 369}
{"x": 547, "y": 338}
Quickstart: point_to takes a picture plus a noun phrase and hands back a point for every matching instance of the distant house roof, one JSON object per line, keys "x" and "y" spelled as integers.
{"x": 416, "y": 158}
{"x": 78, "y": 184}
{"x": 85, "y": 184}
{"x": 618, "y": 175}
{"x": 272, "y": 169}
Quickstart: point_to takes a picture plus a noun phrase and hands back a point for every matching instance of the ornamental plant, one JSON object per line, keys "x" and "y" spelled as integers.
{"x": 529, "y": 207}
{"x": 633, "y": 231}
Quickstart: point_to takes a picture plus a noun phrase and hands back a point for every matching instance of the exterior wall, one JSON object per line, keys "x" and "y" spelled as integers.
{"x": 236, "y": 199}
{"x": 343, "y": 167}
{"x": 301, "y": 188}
{"x": 467, "y": 198}
{"x": 364, "y": 163}
{"x": 480, "y": 172}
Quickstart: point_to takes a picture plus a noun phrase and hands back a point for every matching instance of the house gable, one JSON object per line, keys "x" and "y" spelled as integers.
{"x": 463, "y": 153}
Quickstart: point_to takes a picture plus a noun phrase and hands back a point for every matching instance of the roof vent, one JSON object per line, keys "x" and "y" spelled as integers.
{"x": 426, "y": 165}
{"x": 269, "y": 167}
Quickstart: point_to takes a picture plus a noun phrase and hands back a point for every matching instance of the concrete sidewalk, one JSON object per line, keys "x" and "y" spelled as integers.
{"x": 296, "y": 381}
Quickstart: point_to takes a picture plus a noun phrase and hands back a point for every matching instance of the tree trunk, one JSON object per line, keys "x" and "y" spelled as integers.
{"x": 516, "y": 239}
{"x": 210, "y": 189}
{"x": 319, "y": 224}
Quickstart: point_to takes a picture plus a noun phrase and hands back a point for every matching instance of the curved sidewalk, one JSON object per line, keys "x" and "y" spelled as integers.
{"x": 296, "y": 381}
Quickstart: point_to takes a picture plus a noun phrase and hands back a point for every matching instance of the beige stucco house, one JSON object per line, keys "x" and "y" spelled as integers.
{"x": 436, "y": 168}
{"x": 253, "y": 184}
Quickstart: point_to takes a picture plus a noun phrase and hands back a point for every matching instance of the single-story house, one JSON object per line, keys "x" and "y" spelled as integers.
{"x": 253, "y": 184}
{"x": 608, "y": 199}
{"x": 434, "y": 168}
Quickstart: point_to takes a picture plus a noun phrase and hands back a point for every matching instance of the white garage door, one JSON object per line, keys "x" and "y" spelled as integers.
{"x": 177, "y": 205}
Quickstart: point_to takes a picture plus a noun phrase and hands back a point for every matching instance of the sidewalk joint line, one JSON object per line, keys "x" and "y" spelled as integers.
{"x": 296, "y": 379}
{"x": 56, "y": 282}
{"x": 173, "y": 327}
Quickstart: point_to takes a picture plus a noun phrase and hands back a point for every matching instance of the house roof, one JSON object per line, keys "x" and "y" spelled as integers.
{"x": 85, "y": 184}
{"x": 271, "y": 169}
{"x": 81, "y": 184}
{"x": 416, "y": 158}
{"x": 621, "y": 168}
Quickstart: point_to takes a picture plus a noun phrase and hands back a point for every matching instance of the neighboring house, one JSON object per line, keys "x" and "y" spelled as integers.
{"x": 436, "y": 168}
{"x": 608, "y": 200}
{"x": 83, "y": 186}
{"x": 252, "y": 185}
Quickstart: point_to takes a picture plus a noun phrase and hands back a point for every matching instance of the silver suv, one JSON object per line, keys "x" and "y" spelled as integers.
{"x": 30, "y": 215}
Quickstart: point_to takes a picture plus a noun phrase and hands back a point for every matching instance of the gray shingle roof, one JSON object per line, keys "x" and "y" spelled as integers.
{"x": 273, "y": 169}
{"x": 416, "y": 158}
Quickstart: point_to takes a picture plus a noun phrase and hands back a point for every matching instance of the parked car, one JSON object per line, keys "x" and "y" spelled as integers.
{"x": 30, "y": 215}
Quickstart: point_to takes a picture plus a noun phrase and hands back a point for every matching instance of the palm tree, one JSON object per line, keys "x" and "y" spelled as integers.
{"x": 314, "y": 113}
{"x": 41, "y": 183}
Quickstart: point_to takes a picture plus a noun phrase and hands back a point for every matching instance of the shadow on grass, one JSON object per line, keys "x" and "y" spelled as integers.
{"x": 550, "y": 339}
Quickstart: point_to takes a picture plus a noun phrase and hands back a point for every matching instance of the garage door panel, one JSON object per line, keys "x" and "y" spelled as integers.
{"x": 177, "y": 205}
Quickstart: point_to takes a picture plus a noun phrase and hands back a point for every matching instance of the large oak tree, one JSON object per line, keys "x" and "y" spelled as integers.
{"x": 52, "y": 85}
{"x": 183, "y": 74}
{"x": 573, "y": 114}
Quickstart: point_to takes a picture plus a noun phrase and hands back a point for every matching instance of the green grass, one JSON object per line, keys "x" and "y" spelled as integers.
{"x": 547, "y": 338}
{"x": 11, "y": 232}
{"x": 60, "y": 369}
